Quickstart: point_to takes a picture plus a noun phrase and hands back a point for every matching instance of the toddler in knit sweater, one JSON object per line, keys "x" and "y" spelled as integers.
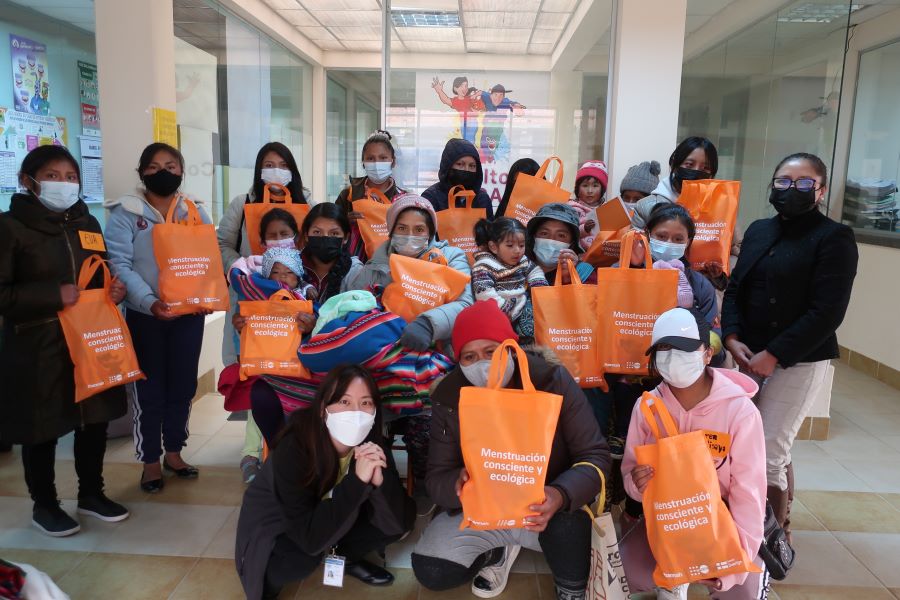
{"x": 503, "y": 273}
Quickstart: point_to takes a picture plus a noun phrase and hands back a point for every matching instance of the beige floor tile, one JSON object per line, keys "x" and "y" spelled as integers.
{"x": 217, "y": 486}
{"x": 808, "y": 449}
{"x": 398, "y": 554}
{"x": 210, "y": 579}
{"x": 405, "y": 587}
{"x": 16, "y": 530}
{"x": 852, "y": 511}
{"x": 208, "y": 415}
{"x": 54, "y": 563}
{"x": 877, "y": 424}
{"x": 891, "y": 440}
{"x": 877, "y": 551}
{"x": 114, "y": 577}
{"x": 847, "y": 445}
{"x": 123, "y": 482}
{"x": 195, "y": 443}
{"x": 880, "y": 474}
{"x": 802, "y": 519}
{"x": 825, "y": 474}
{"x": 222, "y": 545}
{"x": 219, "y": 451}
{"x": 813, "y": 592}
{"x": 168, "y": 529}
{"x": 823, "y": 561}
{"x": 233, "y": 429}
{"x": 892, "y": 499}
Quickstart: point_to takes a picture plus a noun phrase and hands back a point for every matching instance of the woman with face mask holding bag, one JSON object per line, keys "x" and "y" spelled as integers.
{"x": 460, "y": 165}
{"x": 552, "y": 237}
{"x": 329, "y": 490}
{"x": 787, "y": 296}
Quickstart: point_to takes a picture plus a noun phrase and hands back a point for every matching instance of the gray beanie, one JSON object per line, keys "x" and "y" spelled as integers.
{"x": 641, "y": 178}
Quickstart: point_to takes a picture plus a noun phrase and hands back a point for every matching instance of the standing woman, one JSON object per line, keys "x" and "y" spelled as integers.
{"x": 41, "y": 252}
{"x": 167, "y": 345}
{"x": 379, "y": 160}
{"x": 786, "y": 298}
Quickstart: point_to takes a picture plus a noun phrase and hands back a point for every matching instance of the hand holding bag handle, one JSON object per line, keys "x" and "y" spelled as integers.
{"x": 455, "y": 192}
{"x": 193, "y": 215}
{"x": 267, "y": 194}
{"x": 542, "y": 172}
{"x": 574, "y": 278}
{"x": 89, "y": 268}
{"x": 652, "y": 407}
{"x": 627, "y": 248}
{"x": 498, "y": 366}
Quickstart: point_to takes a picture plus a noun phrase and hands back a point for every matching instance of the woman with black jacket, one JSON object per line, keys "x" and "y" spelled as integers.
{"x": 44, "y": 239}
{"x": 787, "y": 296}
{"x": 330, "y": 486}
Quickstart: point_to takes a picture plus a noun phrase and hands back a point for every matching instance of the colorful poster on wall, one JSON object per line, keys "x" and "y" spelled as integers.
{"x": 22, "y": 132}
{"x": 90, "y": 98}
{"x": 31, "y": 76}
{"x": 505, "y": 115}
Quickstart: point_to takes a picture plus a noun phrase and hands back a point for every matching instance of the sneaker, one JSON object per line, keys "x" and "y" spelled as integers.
{"x": 616, "y": 447}
{"x": 250, "y": 467}
{"x": 54, "y": 521}
{"x": 679, "y": 592}
{"x": 102, "y": 508}
{"x": 491, "y": 581}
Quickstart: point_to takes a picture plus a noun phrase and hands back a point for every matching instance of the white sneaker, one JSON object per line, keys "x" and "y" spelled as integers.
{"x": 491, "y": 581}
{"x": 679, "y": 592}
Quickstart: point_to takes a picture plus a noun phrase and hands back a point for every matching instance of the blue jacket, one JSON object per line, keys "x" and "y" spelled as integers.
{"x": 129, "y": 240}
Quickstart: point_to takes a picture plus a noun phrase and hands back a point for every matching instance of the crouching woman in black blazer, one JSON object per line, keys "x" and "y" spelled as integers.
{"x": 329, "y": 486}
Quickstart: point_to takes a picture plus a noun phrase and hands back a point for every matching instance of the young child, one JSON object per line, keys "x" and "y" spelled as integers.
{"x": 639, "y": 182}
{"x": 504, "y": 274}
{"x": 278, "y": 229}
{"x": 590, "y": 188}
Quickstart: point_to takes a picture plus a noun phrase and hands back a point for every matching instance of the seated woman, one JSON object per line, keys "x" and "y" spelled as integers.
{"x": 553, "y": 235}
{"x": 701, "y": 398}
{"x": 330, "y": 485}
{"x": 445, "y": 556}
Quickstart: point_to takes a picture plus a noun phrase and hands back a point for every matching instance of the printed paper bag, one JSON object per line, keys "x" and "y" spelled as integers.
{"x": 629, "y": 300}
{"x": 606, "y": 580}
{"x": 191, "y": 277}
{"x": 270, "y": 338}
{"x": 506, "y": 436}
{"x": 98, "y": 339}
{"x": 713, "y": 205}
{"x": 419, "y": 285}
{"x": 691, "y": 533}
{"x": 613, "y": 222}
{"x": 457, "y": 225}
{"x": 531, "y": 192}
{"x": 254, "y": 212}
{"x": 566, "y": 321}
{"x": 373, "y": 225}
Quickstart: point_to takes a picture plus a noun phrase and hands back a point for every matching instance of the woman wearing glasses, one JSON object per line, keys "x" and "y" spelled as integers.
{"x": 786, "y": 298}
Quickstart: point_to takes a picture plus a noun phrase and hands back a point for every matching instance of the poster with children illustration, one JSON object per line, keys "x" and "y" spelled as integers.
{"x": 31, "y": 76}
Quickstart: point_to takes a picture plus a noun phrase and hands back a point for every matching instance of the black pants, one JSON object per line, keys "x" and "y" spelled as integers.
{"x": 39, "y": 461}
{"x": 289, "y": 563}
{"x": 267, "y": 411}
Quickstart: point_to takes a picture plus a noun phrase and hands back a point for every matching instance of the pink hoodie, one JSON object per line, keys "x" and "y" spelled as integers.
{"x": 742, "y": 473}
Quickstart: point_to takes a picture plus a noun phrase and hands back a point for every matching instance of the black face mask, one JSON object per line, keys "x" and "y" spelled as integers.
{"x": 162, "y": 183}
{"x": 683, "y": 174}
{"x": 792, "y": 202}
{"x": 325, "y": 248}
{"x": 468, "y": 179}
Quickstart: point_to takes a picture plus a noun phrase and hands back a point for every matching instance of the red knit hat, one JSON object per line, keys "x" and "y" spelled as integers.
{"x": 596, "y": 169}
{"x": 482, "y": 321}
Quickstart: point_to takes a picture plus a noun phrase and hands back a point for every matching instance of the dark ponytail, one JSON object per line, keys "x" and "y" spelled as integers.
{"x": 497, "y": 230}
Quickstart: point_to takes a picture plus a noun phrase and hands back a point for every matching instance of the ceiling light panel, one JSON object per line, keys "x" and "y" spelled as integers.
{"x": 351, "y": 18}
{"x": 425, "y": 19}
{"x": 298, "y": 18}
{"x": 812, "y": 12}
{"x": 341, "y": 5}
{"x": 498, "y": 20}
{"x": 475, "y": 34}
{"x": 552, "y": 20}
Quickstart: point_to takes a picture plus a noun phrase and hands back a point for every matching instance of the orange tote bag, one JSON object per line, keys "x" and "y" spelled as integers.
{"x": 270, "y": 338}
{"x": 98, "y": 338}
{"x": 713, "y": 205}
{"x": 254, "y": 212}
{"x": 691, "y": 533}
{"x": 566, "y": 321}
{"x": 531, "y": 192}
{"x": 614, "y": 222}
{"x": 190, "y": 267}
{"x": 506, "y": 436}
{"x": 420, "y": 284}
{"x": 373, "y": 225}
{"x": 628, "y": 302}
{"x": 457, "y": 225}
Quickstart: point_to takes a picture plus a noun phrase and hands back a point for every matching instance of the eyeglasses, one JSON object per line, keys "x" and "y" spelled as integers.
{"x": 804, "y": 184}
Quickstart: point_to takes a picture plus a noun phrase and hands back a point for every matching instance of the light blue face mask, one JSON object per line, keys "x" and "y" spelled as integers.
{"x": 666, "y": 251}
{"x": 409, "y": 245}
{"x": 547, "y": 251}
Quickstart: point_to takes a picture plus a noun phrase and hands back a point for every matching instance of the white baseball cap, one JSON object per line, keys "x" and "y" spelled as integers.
{"x": 680, "y": 328}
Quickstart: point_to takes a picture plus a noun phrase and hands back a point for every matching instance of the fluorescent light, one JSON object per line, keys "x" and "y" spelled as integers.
{"x": 424, "y": 18}
{"x": 810, "y": 12}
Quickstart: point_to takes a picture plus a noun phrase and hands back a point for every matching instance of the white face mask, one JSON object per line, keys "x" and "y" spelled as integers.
{"x": 679, "y": 368}
{"x": 377, "y": 172}
{"x": 478, "y": 372}
{"x": 288, "y": 243}
{"x": 58, "y": 196}
{"x": 275, "y": 175}
{"x": 349, "y": 427}
{"x": 666, "y": 251}
{"x": 547, "y": 251}
{"x": 409, "y": 245}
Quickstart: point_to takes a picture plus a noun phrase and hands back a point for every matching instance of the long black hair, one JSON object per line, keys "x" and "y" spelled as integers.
{"x": 668, "y": 211}
{"x": 340, "y": 268}
{"x": 523, "y": 165}
{"x": 35, "y": 160}
{"x": 307, "y": 428}
{"x": 295, "y": 187}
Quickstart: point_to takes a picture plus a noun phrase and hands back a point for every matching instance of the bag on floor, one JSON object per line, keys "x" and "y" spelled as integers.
{"x": 191, "y": 276}
{"x": 607, "y": 579}
{"x": 98, "y": 338}
{"x": 420, "y": 284}
{"x": 613, "y": 222}
{"x": 713, "y": 205}
{"x": 506, "y": 436}
{"x": 270, "y": 338}
{"x": 373, "y": 225}
{"x": 457, "y": 225}
{"x": 629, "y": 301}
{"x": 531, "y": 192}
{"x": 691, "y": 533}
{"x": 255, "y": 211}
{"x": 566, "y": 321}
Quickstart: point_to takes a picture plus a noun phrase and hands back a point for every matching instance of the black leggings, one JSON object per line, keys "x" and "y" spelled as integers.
{"x": 267, "y": 410}
{"x": 39, "y": 463}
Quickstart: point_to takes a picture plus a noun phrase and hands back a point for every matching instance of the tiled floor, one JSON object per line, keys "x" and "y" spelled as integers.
{"x": 179, "y": 544}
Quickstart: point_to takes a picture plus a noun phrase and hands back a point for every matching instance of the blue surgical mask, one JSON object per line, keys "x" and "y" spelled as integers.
{"x": 547, "y": 251}
{"x": 409, "y": 245}
{"x": 666, "y": 251}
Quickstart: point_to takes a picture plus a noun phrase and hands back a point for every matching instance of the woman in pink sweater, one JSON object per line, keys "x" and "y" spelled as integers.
{"x": 715, "y": 400}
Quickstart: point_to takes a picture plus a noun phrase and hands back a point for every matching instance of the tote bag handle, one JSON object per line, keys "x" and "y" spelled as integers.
{"x": 282, "y": 295}
{"x": 455, "y": 192}
{"x": 89, "y": 267}
{"x": 628, "y": 246}
{"x": 193, "y": 215}
{"x": 498, "y": 365}
{"x": 267, "y": 194}
{"x": 574, "y": 277}
{"x": 542, "y": 172}
{"x": 652, "y": 407}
